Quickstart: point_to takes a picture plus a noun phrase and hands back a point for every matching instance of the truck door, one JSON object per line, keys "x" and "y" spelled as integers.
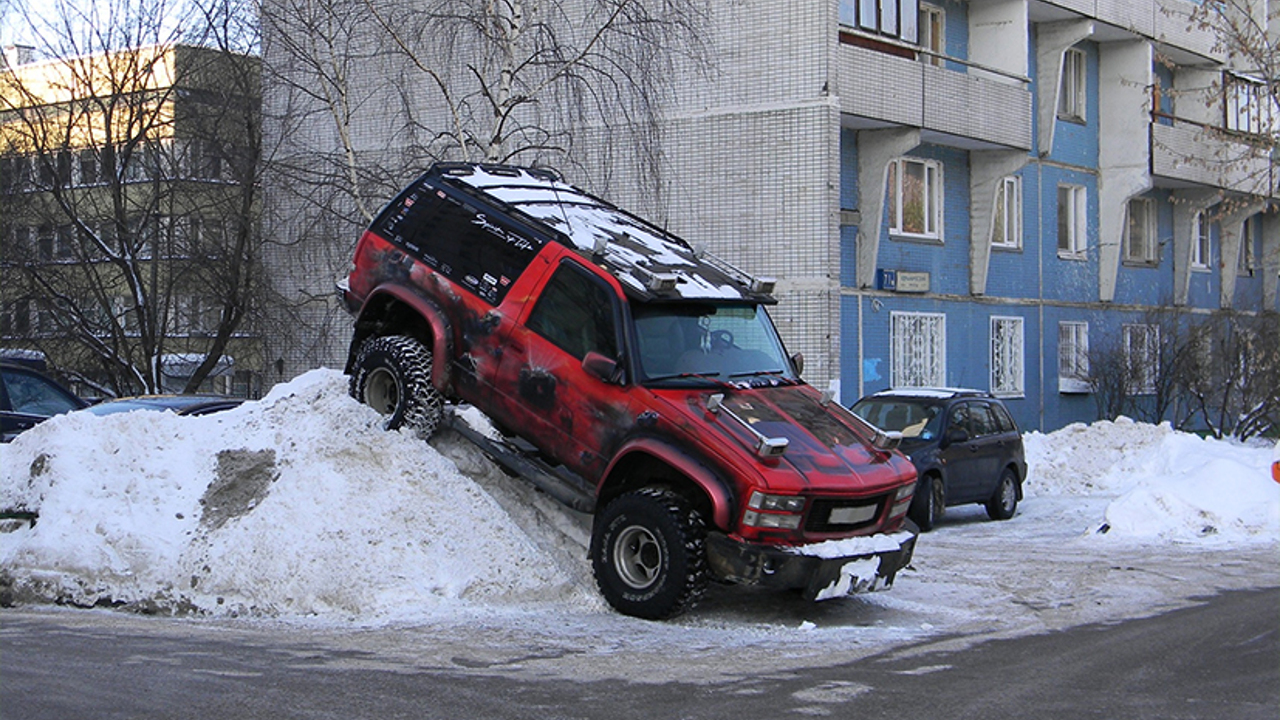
{"x": 572, "y": 415}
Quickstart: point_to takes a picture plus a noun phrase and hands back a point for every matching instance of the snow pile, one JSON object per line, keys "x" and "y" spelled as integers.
{"x": 1163, "y": 484}
{"x": 298, "y": 504}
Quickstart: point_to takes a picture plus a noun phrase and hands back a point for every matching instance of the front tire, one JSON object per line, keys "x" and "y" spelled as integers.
{"x": 648, "y": 552}
{"x": 1004, "y": 503}
{"x": 929, "y": 503}
{"x": 392, "y": 375}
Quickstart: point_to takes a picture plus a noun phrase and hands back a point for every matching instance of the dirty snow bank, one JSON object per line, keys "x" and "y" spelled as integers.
{"x": 298, "y": 504}
{"x": 1164, "y": 485}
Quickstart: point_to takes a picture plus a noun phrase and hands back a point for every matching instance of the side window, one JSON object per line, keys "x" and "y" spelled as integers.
{"x": 576, "y": 313}
{"x": 481, "y": 253}
{"x": 959, "y": 418}
{"x": 35, "y": 395}
{"x": 1003, "y": 418}
{"x": 984, "y": 423}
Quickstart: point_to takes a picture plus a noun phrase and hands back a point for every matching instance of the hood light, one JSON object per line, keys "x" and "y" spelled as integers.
{"x": 766, "y": 447}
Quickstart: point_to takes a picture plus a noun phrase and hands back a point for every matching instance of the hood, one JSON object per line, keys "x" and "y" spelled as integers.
{"x": 824, "y": 454}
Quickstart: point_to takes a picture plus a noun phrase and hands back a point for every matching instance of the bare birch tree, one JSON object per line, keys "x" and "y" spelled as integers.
{"x": 130, "y": 191}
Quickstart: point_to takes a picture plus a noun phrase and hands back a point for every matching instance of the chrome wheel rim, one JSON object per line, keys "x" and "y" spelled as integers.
{"x": 382, "y": 391}
{"x": 637, "y": 555}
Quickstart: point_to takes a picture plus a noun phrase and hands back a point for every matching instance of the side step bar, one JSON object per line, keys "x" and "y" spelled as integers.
{"x": 532, "y": 469}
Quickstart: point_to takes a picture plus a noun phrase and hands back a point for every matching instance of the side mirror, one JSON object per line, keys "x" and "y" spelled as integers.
{"x": 797, "y": 361}
{"x": 957, "y": 435}
{"x": 603, "y": 368}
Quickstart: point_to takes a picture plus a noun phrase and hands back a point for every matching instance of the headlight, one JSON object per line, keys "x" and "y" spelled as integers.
{"x": 776, "y": 503}
{"x": 902, "y": 500}
{"x": 774, "y": 511}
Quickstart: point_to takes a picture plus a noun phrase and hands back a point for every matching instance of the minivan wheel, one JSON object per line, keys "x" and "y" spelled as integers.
{"x": 392, "y": 375}
{"x": 1004, "y": 502}
{"x": 929, "y": 503}
{"x": 648, "y": 552}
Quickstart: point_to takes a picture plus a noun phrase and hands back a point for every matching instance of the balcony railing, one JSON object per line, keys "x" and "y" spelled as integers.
{"x": 1191, "y": 152}
{"x": 963, "y": 100}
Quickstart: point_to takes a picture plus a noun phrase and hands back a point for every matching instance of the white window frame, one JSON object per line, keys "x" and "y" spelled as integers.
{"x": 931, "y": 197}
{"x": 1072, "y": 95}
{"x": 895, "y": 18}
{"x": 1006, "y": 225}
{"x": 1073, "y": 357}
{"x": 1201, "y": 241}
{"x": 1250, "y": 233}
{"x": 933, "y": 34}
{"x": 918, "y": 349}
{"x": 1008, "y": 353}
{"x": 1142, "y": 355}
{"x": 1076, "y": 221}
{"x": 1248, "y": 107}
{"x": 1147, "y": 253}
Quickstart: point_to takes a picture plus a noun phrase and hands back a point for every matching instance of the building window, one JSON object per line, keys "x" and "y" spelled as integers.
{"x": 1250, "y": 237}
{"x": 933, "y": 36}
{"x": 1071, "y": 93}
{"x": 15, "y": 319}
{"x": 1007, "y": 372}
{"x": 1072, "y": 214}
{"x": 1006, "y": 231}
{"x": 1249, "y": 108}
{"x": 895, "y": 18}
{"x": 1200, "y": 247}
{"x": 915, "y": 198}
{"x": 15, "y": 174}
{"x": 918, "y": 342}
{"x": 55, "y": 169}
{"x": 1142, "y": 356}
{"x": 1073, "y": 357}
{"x": 1140, "y": 232}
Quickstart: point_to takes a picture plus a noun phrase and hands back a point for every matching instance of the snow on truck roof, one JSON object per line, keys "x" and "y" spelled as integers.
{"x": 649, "y": 262}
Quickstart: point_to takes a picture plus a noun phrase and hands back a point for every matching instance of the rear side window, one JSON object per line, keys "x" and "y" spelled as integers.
{"x": 476, "y": 250}
{"x": 1002, "y": 417}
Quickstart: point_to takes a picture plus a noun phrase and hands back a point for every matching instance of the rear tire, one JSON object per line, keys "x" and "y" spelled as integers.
{"x": 393, "y": 376}
{"x": 648, "y": 552}
{"x": 1004, "y": 503}
{"x": 929, "y": 503}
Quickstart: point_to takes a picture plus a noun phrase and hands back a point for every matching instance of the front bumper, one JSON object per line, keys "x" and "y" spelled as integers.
{"x": 818, "y": 573}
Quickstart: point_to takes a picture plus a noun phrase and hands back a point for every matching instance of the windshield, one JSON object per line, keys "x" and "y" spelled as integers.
{"x": 915, "y": 419}
{"x": 701, "y": 342}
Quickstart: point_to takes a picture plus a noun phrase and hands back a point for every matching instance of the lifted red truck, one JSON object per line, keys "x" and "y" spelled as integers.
{"x": 630, "y": 377}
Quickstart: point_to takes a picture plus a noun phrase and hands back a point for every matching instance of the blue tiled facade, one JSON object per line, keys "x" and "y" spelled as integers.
{"x": 1034, "y": 281}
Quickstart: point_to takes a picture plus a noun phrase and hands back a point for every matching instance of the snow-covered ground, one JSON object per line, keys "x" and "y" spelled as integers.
{"x": 299, "y": 509}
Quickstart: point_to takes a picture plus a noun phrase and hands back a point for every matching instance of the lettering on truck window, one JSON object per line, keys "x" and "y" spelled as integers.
{"x": 473, "y": 249}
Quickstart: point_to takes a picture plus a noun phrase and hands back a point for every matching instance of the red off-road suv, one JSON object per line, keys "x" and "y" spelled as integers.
{"x": 631, "y": 377}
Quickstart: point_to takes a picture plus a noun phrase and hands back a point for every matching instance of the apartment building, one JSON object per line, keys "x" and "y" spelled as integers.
{"x": 126, "y": 202}
{"x": 975, "y": 194}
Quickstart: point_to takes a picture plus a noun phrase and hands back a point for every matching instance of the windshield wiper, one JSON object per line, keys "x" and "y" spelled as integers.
{"x": 776, "y": 374}
{"x": 686, "y": 376}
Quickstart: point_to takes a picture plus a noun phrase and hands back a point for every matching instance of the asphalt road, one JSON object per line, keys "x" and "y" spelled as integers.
{"x": 1219, "y": 659}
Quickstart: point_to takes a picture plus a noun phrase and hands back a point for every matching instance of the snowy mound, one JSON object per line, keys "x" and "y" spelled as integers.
{"x": 1164, "y": 485}
{"x": 298, "y": 504}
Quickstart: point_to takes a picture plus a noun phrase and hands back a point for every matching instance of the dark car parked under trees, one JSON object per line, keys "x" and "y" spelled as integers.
{"x": 28, "y": 397}
{"x": 964, "y": 444}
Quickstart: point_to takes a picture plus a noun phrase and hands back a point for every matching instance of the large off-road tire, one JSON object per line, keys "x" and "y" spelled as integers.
{"x": 1004, "y": 502}
{"x": 929, "y": 503}
{"x": 648, "y": 551}
{"x": 392, "y": 375}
